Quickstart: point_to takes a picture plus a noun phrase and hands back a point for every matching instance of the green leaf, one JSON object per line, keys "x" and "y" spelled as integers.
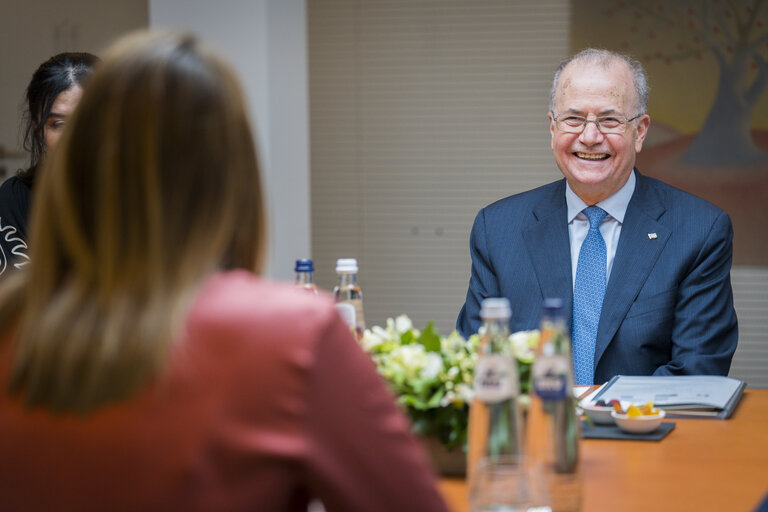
{"x": 413, "y": 401}
{"x": 406, "y": 338}
{"x": 388, "y": 346}
{"x": 430, "y": 338}
{"x": 436, "y": 398}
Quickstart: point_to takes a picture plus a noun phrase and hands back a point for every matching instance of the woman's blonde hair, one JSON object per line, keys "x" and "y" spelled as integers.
{"x": 154, "y": 186}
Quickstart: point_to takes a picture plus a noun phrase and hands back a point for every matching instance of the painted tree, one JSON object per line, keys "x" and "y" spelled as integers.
{"x": 735, "y": 32}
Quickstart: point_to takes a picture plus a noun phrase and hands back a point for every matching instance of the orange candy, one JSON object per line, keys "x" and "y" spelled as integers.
{"x": 633, "y": 411}
{"x": 647, "y": 409}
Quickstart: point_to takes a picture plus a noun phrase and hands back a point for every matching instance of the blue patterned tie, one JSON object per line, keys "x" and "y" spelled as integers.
{"x": 588, "y": 293}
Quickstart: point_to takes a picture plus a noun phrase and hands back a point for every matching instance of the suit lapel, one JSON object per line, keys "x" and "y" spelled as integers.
{"x": 640, "y": 244}
{"x": 549, "y": 247}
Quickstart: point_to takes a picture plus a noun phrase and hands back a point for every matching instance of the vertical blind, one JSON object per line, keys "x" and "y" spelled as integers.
{"x": 421, "y": 113}
{"x": 750, "y": 297}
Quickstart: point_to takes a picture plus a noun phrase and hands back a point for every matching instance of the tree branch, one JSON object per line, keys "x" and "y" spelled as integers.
{"x": 724, "y": 28}
{"x": 719, "y": 55}
{"x": 757, "y": 43}
{"x": 741, "y": 28}
{"x": 677, "y": 18}
{"x": 750, "y": 23}
{"x": 759, "y": 85}
{"x": 655, "y": 14}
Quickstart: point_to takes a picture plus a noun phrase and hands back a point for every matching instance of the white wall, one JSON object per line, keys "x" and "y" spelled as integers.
{"x": 265, "y": 41}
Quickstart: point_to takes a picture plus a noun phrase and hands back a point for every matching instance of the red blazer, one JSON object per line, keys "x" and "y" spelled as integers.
{"x": 267, "y": 403}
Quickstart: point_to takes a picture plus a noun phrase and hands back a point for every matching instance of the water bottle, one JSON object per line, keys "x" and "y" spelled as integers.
{"x": 552, "y": 424}
{"x": 347, "y": 314}
{"x": 495, "y": 426}
{"x": 348, "y": 291}
{"x": 305, "y": 275}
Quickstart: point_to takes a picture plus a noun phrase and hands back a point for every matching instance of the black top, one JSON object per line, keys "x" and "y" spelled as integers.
{"x": 15, "y": 197}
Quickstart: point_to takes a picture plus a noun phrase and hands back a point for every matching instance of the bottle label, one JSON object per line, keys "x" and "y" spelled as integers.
{"x": 551, "y": 387}
{"x": 495, "y": 379}
{"x": 550, "y": 378}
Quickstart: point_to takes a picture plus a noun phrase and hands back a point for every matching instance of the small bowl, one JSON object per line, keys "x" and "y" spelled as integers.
{"x": 599, "y": 415}
{"x": 639, "y": 424}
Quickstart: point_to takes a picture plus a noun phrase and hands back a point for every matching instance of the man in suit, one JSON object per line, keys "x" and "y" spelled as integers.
{"x": 645, "y": 271}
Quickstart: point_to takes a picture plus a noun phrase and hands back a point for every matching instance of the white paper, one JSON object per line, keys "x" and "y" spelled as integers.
{"x": 579, "y": 390}
{"x": 669, "y": 392}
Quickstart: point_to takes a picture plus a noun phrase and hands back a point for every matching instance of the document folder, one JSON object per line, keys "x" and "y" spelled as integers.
{"x": 685, "y": 396}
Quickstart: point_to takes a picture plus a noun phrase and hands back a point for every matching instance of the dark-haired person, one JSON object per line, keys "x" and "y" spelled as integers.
{"x": 52, "y": 95}
{"x": 143, "y": 363}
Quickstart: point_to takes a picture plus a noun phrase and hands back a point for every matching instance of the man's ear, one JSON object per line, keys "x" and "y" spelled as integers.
{"x": 641, "y": 131}
{"x": 551, "y": 130}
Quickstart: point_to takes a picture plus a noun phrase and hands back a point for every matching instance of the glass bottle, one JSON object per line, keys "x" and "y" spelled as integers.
{"x": 347, "y": 314}
{"x": 348, "y": 291}
{"x": 305, "y": 271}
{"x": 495, "y": 425}
{"x": 552, "y": 423}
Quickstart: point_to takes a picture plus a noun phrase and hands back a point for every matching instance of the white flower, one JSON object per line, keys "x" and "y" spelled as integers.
{"x": 454, "y": 343}
{"x": 466, "y": 392}
{"x": 418, "y": 376}
{"x": 371, "y": 340}
{"x": 381, "y": 333}
{"x": 403, "y": 324}
{"x": 523, "y": 344}
{"x": 432, "y": 366}
{"x": 457, "y": 398}
{"x": 409, "y": 359}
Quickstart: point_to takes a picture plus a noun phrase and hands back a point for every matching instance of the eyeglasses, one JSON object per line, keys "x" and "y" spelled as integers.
{"x": 605, "y": 124}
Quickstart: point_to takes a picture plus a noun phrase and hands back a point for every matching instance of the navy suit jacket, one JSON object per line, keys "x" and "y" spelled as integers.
{"x": 668, "y": 307}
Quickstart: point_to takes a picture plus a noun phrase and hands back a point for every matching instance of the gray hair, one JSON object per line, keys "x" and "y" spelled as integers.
{"x": 605, "y": 58}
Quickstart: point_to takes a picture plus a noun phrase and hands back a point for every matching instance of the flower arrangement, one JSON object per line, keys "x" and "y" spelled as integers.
{"x": 432, "y": 376}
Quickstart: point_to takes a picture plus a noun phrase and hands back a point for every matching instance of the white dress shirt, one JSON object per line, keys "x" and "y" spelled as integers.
{"x": 610, "y": 228}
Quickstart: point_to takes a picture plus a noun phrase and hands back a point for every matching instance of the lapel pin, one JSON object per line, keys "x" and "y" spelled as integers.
{"x": 652, "y": 236}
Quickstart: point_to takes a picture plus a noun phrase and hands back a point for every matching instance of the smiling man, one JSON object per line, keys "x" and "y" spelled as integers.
{"x": 644, "y": 266}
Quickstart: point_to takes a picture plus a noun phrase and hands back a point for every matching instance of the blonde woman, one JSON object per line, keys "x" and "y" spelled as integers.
{"x": 144, "y": 365}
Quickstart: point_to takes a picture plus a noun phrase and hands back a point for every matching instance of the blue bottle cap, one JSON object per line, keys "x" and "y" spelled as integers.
{"x": 304, "y": 265}
{"x": 553, "y": 308}
{"x": 553, "y": 303}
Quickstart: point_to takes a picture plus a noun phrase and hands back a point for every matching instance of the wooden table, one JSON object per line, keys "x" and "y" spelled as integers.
{"x": 702, "y": 465}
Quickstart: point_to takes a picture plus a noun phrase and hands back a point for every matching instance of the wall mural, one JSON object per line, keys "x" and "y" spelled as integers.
{"x": 707, "y": 62}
